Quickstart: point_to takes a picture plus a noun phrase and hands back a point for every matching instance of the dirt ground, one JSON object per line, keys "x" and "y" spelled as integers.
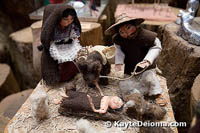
{"x": 23, "y": 120}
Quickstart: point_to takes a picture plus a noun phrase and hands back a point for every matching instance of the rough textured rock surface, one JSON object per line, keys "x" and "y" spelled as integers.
{"x": 195, "y": 94}
{"x": 8, "y": 83}
{"x": 180, "y": 63}
{"x": 22, "y": 58}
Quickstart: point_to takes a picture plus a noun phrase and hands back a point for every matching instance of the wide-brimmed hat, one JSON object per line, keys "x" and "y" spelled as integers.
{"x": 123, "y": 18}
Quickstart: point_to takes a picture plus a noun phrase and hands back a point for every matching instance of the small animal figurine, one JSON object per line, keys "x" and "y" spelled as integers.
{"x": 92, "y": 67}
{"x": 142, "y": 107}
{"x": 39, "y": 102}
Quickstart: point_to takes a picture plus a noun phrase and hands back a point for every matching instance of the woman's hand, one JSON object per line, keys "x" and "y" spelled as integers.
{"x": 118, "y": 67}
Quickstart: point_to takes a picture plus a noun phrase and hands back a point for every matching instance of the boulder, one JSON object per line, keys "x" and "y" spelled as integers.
{"x": 180, "y": 63}
{"x": 8, "y": 83}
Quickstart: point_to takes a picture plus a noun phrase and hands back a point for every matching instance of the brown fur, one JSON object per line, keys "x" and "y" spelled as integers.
{"x": 143, "y": 107}
{"x": 93, "y": 67}
{"x": 78, "y": 101}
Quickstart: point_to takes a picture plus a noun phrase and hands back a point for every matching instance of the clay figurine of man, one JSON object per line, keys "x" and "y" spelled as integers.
{"x": 137, "y": 48}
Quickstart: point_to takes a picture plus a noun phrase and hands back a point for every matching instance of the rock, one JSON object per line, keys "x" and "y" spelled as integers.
{"x": 8, "y": 83}
{"x": 11, "y": 104}
{"x": 195, "y": 94}
{"x": 22, "y": 58}
{"x": 180, "y": 63}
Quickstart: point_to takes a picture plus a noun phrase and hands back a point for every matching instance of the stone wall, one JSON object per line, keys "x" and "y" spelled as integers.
{"x": 195, "y": 94}
{"x": 180, "y": 63}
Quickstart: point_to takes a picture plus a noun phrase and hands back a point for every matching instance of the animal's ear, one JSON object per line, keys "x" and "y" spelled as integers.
{"x": 82, "y": 64}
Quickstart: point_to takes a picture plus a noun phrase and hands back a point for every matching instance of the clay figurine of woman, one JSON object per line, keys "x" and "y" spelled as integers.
{"x": 59, "y": 37}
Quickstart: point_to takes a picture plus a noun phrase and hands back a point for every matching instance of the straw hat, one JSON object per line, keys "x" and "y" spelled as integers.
{"x": 123, "y": 18}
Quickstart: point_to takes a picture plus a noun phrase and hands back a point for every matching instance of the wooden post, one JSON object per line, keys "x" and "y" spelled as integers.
{"x": 21, "y": 56}
{"x": 91, "y": 34}
{"x": 8, "y": 83}
{"x": 36, "y": 32}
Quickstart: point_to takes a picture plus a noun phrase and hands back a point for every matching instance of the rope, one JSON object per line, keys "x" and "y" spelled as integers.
{"x": 116, "y": 78}
{"x": 134, "y": 73}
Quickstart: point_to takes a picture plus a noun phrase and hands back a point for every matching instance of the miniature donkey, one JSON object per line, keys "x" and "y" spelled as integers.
{"x": 92, "y": 67}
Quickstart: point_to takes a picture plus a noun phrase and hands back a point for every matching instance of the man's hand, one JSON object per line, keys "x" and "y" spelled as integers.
{"x": 140, "y": 67}
{"x": 144, "y": 64}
